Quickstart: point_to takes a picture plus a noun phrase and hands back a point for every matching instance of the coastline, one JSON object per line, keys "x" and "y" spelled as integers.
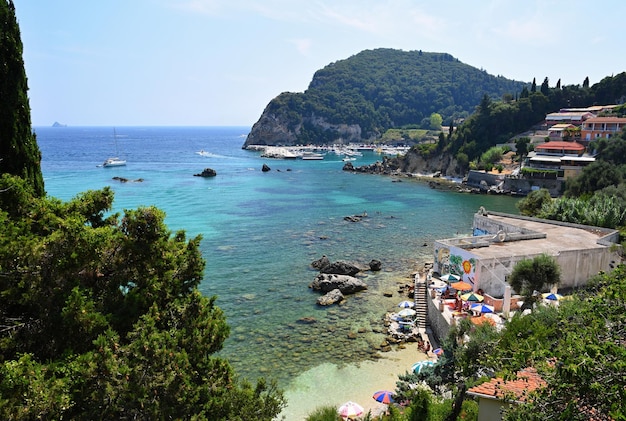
{"x": 357, "y": 382}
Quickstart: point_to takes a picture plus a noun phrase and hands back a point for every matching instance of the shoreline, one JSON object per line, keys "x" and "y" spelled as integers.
{"x": 357, "y": 382}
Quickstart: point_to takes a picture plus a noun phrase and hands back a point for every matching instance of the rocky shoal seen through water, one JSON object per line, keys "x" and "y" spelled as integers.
{"x": 349, "y": 330}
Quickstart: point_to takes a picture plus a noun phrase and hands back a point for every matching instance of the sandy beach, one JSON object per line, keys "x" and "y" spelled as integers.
{"x": 335, "y": 385}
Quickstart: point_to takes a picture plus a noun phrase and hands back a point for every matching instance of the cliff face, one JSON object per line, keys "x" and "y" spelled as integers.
{"x": 273, "y": 130}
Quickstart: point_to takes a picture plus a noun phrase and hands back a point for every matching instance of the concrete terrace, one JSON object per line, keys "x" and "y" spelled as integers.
{"x": 501, "y": 240}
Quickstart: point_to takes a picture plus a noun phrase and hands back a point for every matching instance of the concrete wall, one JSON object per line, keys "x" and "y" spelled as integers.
{"x": 490, "y": 409}
{"x": 475, "y": 177}
{"x": 438, "y": 323}
{"x": 525, "y": 185}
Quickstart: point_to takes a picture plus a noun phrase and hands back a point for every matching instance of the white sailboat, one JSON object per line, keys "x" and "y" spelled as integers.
{"x": 114, "y": 161}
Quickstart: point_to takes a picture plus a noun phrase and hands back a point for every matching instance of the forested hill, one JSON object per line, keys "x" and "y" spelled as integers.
{"x": 360, "y": 97}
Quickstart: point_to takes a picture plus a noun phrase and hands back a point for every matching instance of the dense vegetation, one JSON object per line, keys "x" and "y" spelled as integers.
{"x": 498, "y": 121}
{"x": 19, "y": 153}
{"x": 100, "y": 316}
{"x": 385, "y": 88}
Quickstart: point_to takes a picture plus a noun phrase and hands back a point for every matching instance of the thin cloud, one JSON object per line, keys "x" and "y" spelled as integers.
{"x": 303, "y": 45}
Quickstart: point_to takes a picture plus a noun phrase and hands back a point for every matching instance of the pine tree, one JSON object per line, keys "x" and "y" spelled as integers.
{"x": 19, "y": 152}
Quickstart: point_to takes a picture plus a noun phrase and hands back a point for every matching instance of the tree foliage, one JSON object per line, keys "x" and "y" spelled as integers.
{"x": 100, "y": 317}
{"x": 533, "y": 275}
{"x": 19, "y": 152}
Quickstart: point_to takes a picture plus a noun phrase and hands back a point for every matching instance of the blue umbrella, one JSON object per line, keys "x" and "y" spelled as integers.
{"x": 483, "y": 308}
{"x": 406, "y": 304}
{"x": 552, "y": 296}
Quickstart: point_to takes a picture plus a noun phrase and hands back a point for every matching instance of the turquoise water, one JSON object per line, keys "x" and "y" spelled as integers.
{"x": 261, "y": 231}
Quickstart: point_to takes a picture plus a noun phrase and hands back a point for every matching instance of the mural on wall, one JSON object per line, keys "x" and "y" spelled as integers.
{"x": 462, "y": 263}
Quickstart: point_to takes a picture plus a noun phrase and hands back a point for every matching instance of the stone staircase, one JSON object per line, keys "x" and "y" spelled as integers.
{"x": 421, "y": 303}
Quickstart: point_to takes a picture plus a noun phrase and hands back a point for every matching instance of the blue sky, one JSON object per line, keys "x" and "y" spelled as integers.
{"x": 219, "y": 62}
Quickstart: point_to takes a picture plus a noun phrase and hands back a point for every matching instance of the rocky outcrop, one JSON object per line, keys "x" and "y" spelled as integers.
{"x": 207, "y": 172}
{"x": 341, "y": 268}
{"x": 375, "y": 265}
{"x": 410, "y": 164}
{"x": 126, "y": 180}
{"x": 273, "y": 130}
{"x": 330, "y": 298}
{"x": 326, "y": 282}
{"x": 265, "y": 168}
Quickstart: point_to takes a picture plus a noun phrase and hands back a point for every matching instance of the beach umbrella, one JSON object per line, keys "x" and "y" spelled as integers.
{"x": 406, "y": 304}
{"x": 461, "y": 286}
{"x": 418, "y": 366}
{"x": 552, "y": 296}
{"x": 472, "y": 296}
{"x": 450, "y": 277}
{"x": 383, "y": 396}
{"x": 407, "y": 312}
{"x": 350, "y": 410}
{"x": 483, "y": 308}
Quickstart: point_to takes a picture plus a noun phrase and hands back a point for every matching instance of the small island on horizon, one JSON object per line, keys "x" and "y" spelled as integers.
{"x": 57, "y": 124}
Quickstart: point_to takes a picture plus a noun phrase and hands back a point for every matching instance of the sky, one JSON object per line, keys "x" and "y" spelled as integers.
{"x": 220, "y": 62}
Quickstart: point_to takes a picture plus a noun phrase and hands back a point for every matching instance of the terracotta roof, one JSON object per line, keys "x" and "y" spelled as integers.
{"x": 605, "y": 120}
{"x": 527, "y": 380}
{"x": 557, "y": 145}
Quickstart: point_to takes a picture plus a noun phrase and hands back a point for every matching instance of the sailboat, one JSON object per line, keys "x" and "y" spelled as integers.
{"x": 114, "y": 161}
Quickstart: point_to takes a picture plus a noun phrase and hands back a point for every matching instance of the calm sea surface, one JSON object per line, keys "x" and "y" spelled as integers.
{"x": 261, "y": 231}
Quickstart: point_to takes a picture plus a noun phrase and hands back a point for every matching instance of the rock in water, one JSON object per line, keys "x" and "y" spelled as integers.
{"x": 330, "y": 298}
{"x": 207, "y": 172}
{"x": 375, "y": 265}
{"x": 265, "y": 168}
{"x": 325, "y": 282}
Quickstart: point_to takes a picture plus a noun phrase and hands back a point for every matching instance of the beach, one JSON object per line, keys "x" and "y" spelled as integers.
{"x": 329, "y": 384}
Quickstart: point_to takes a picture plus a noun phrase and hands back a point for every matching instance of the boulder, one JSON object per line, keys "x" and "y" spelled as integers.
{"x": 340, "y": 268}
{"x": 325, "y": 282}
{"x": 265, "y": 168}
{"x": 330, "y": 298}
{"x": 207, "y": 172}
{"x": 321, "y": 263}
{"x": 375, "y": 265}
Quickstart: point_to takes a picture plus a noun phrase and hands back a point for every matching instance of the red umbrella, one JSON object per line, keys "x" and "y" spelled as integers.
{"x": 383, "y": 396}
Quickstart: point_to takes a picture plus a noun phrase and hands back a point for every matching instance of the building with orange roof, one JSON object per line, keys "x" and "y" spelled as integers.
{"x": 602, "y": 127}
{"x": 559, "y": 159}
{"x": 496, "y": 393}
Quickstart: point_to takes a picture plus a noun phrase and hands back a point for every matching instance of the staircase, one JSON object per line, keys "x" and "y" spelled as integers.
{"x": 421, "y": 303}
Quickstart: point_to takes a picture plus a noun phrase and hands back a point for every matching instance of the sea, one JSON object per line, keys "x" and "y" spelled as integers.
{"x": 262, "y": 230}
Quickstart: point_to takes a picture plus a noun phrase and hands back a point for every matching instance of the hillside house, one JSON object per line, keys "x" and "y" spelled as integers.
{"x": 563, "y": 159}
{"x": 568, "y": 117}
{"x": 602, "y": 127}
{"x": 561, "y": 131}
{"x": 498, "y": 392}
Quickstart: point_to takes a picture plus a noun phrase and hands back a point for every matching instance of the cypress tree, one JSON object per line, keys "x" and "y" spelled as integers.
{"x": 19, "y": 152}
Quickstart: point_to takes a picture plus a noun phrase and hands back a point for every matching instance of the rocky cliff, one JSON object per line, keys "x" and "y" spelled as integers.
{"x": 274, "y": 129}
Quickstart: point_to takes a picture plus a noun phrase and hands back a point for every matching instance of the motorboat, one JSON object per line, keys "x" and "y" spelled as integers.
{"x": 312, "y": 156}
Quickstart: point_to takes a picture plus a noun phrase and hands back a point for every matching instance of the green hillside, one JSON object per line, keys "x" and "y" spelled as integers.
{"x": 381, "y": 89}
